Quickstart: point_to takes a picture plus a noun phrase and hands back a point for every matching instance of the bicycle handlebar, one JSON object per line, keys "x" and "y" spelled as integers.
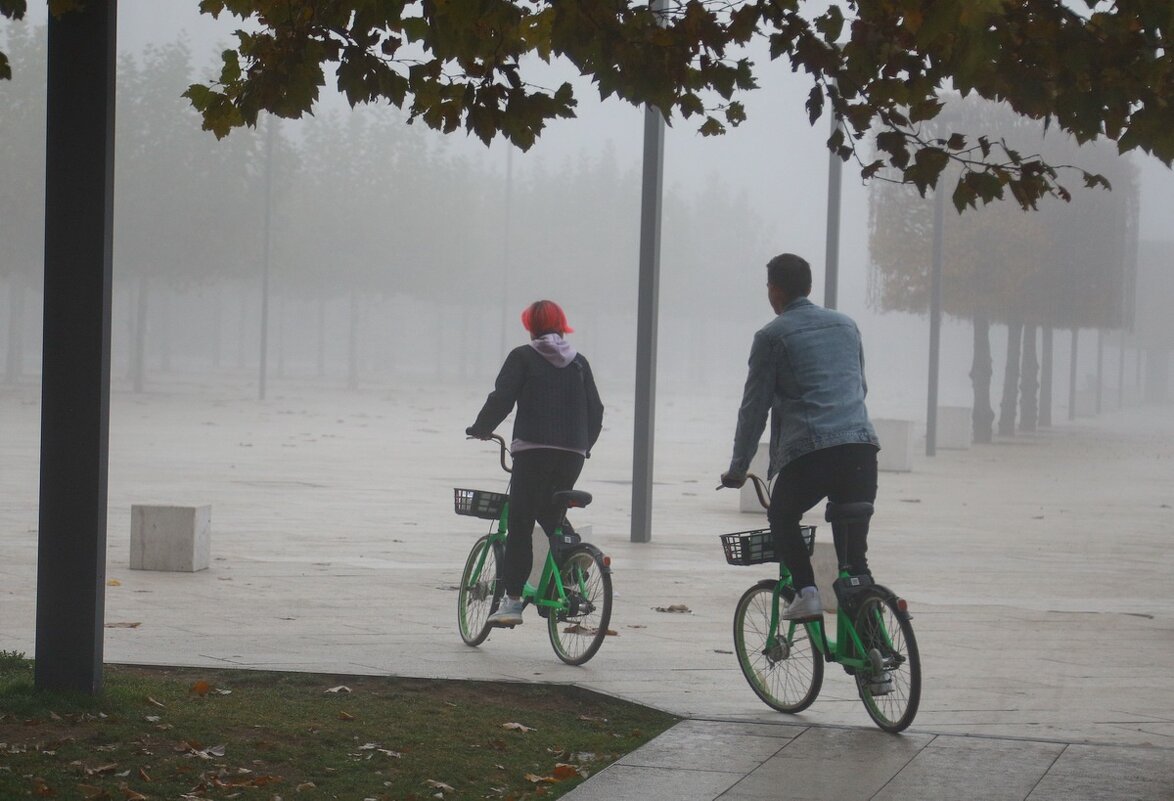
{"x": 760, "y": 489}
{"x": 501, "y": 444}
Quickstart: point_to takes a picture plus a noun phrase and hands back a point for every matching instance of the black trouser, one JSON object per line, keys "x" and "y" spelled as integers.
{"x": 843, "y": 474}
{"x": 538, "y": 474}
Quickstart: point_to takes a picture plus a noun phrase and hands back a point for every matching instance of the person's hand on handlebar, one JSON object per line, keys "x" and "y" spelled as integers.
{"x": 475, "y": 434}
{"x": 733, "y": 480}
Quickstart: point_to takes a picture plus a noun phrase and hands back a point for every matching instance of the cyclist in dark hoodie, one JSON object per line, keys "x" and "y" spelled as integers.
{"x": 559, "y": 418}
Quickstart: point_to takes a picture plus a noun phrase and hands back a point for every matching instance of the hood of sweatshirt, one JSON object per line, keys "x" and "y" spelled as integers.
{"x": 554, "y": 349}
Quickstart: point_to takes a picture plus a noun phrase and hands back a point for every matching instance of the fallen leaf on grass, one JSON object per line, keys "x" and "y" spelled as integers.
{"x": 134, "y": 625}
{"x": 153, "y": 702}
{"x": 152, "y": 718}
{"x": 342, "y": 688}
{"x": 441, "y": 786}
{"x": 92, "y": 793}
{"x": 306, "y": 786}
{"x": 132, "y": 795}
{"x": 563, "y": 771}
{"x": 201, "y": 688}
{"x": 144, "y": 775}
{"x": 113, "y": 583}
{"x": 675, "y": 608}
{"x": 536, "y": 779}
{"x": 345, "y": 716}
{"x": 41, "y": 789}
{"x": 517, "y": 727}
{"x": 102, "y": 770}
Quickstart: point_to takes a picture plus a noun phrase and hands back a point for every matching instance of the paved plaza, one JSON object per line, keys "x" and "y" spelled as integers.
{"x": 1038, "y": 571}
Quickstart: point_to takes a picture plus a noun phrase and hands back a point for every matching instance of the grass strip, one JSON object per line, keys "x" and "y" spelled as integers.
{"x": 189, "y": 733}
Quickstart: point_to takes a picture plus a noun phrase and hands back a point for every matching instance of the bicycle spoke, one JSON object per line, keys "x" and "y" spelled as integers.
{"x": 891, "y": 687}
{"x": 577, "y": 630}
{"x": 786, "y": 673}
{"x": 480, "y": 591}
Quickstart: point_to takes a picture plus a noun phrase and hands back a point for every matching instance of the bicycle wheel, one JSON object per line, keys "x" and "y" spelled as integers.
{"x": 788, "y": 675}
{"x": 577, "y": 632}
{"x": 891, "y": 688}
{"x": 480, "y": 590}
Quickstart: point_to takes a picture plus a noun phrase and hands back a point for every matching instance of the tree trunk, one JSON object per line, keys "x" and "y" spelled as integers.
{"x": 1100, "y": 368}
{"x": 1010, "y": 379}
{"x": 138, "y": 359}
{"x": 15, "y": 350}
{"x": 217, "y": 332}
{"x": 243, "y": 322}
{"x": 1045, "y": 383}
{"x": 981, "y": 371}
{"x": 321, "y": 355}
{"x": 352, "y": 380}
{"x": 1029, "y": 382}
{"x": 166, "y": 299}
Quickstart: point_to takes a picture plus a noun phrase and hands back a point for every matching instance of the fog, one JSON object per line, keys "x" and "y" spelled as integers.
{"x": 414, "y": 266}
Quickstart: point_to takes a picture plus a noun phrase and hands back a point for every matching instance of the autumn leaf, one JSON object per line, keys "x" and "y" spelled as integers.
{"x": 132, "y": 795}
{"x": 517, "y": 727}
{"x": 113, "y": 583}
{"x": 563, "y": 771}
{"x": 306, "y": 786}
{"x": 153, "y": 702}
{"x": 41, "y": 789}
{"x": 441, "y": 786}
{"x": 345, "y": 716}
{"x": 342, "y": 688}
{"x": 674, "y": 608}
{"x": 536, "y": 779}
{"x": 201, "y": 688}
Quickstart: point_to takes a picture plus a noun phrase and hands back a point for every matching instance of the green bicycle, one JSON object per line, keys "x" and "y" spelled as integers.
{"x": 573, "y": 592}
{"x": 784, "y": 663}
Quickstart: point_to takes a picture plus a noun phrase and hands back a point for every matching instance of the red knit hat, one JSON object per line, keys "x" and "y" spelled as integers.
{"x": 545, "y": 317}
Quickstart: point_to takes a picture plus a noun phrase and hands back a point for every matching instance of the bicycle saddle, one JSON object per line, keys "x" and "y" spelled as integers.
{"x": 572, "y": 499}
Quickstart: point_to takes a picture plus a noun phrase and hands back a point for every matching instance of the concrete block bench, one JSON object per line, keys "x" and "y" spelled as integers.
{"x": 173, "y": 538}
{"x": 896, "y": 441}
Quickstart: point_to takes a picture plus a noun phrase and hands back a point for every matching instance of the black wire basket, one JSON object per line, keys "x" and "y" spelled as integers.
{"x": 479, "y": 503}
{"x": 758, "y": 546}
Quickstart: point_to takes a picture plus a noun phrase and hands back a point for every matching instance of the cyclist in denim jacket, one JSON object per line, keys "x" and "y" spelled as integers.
{"x": 807, "y": 370}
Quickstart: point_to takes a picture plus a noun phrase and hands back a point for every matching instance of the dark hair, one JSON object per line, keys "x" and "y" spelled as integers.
{"x": 791, "y": 274}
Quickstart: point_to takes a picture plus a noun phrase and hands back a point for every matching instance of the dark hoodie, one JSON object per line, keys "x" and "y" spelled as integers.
{"x": 558, "y": 403}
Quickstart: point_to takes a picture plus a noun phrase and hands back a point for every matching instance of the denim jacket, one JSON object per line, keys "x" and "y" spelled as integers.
{"x": 807, "y": 369}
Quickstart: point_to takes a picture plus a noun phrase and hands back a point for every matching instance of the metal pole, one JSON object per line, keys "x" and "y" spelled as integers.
{"x": 644, "y": 429}
{"x": 505, "y": 283}
{"x": 1072, "y": 378}
{"x": 75, "y": 389}
{"x": 935, "y": 322}
{"x": 269, "y": 125}
{"x": 831, "y": 280}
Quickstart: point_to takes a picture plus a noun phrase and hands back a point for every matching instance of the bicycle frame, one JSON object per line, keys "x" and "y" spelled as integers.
{"x": 537, "y": 595}
{"x": 839, "y": 650}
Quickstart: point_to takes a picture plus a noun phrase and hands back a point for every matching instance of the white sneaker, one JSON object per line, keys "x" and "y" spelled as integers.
{"x": 882, "y": 684}
{"x": 509, "y": 612}
{"x": 806, "y": 606}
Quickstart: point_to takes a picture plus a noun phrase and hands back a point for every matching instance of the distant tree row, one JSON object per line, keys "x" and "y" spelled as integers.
{"x": 1068, "y": 265}
{"x": 346, "y": 206}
